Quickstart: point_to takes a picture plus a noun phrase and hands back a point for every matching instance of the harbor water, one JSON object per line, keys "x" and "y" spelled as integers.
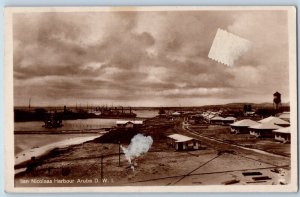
{"x": 32, "y": 144}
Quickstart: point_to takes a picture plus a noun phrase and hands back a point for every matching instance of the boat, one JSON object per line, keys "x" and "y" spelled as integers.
{"x": 52, "y": 120}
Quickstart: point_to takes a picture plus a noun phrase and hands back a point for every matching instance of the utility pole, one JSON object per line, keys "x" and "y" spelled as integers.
{"x": 101, "y": 169}
{"x": 119, "y": 153}
{"x": 29, "y": 104}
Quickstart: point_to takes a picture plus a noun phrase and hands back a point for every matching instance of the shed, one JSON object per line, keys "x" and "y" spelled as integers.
{"x": 283, "y": 134}
{"x": 242, "y": 126}
{"x": 263, "y": 129}
{"x": 182, "y": 142}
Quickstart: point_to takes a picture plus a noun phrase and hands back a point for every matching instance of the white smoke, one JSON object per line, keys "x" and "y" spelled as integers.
{"x": 139, "y": 145}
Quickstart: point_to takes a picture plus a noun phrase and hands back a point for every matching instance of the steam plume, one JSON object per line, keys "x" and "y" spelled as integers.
{"x": 139, "y": 145}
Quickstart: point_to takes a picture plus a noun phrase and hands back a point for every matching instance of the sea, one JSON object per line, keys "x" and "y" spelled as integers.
{"x": 31, "y": 144}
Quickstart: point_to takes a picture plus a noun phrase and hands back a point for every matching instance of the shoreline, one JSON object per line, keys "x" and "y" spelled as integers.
{"x": 106, "y": 117}
{"x": 65, "y": 132}
{"x": 71, "y": 127}
{"x": 28, "y": 154}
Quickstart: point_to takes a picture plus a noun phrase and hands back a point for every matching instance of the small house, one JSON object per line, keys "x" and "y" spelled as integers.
{"x": 210, "y": 116}
{"x": 129, "y": 123}
{"x": 249, "y": 113}
{"x": 228, "y": 120}
{"x": 242, "y": 126}
{"x": 283, "y": 134}
{"x": 285, "y": 116}
{"x": 263, "y": 130}
{"x": 176, "y": 114}
{"x": 216, "y": 120}
{"x": 275, "y": 120}
{"x": 182, "y": 142}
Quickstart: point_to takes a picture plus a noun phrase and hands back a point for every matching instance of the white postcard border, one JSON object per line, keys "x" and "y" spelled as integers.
{"x": 8, "y": 105}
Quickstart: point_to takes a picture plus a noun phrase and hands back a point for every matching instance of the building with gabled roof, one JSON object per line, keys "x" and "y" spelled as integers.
{"x": 242, "y": 126}
{"x": 129, "y": 123}
{"x": 275, "y": 120}
{"x": 283, "y": 134}
{"x": 182, "y": 142}
{"x": 263, "y": 129}
{"x": 285, "y": 116}
{"x": 228, "y": 120}
{"x": 216, "y": 120}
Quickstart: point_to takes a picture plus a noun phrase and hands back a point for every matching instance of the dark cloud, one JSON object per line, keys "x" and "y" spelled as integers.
{"x": 146, "y": 58}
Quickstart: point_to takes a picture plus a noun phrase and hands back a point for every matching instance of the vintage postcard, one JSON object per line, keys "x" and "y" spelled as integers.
{"x": 150, "y": 99}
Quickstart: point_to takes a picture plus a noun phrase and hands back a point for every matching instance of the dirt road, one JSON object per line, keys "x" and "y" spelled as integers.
{"x": 201, "y": 137}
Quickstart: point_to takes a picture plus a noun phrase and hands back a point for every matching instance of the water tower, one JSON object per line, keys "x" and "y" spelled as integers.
{"x": 277, "y": 100}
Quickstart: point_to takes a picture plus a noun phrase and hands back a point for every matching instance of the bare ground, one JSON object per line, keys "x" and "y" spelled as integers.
{"x": 162, "y": 165}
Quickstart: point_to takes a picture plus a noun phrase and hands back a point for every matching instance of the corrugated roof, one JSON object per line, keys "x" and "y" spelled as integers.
{"x": 180, "y": 138}
{"x": 244, "y": 123}
{"x": 265, "y": 126}
{"x": 127, "y": 121}
{"x": 274, "y": 120}
{"x": 283, "y": 130}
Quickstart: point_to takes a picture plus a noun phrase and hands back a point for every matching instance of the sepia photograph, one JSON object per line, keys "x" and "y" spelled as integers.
{"x": 102, "y": 98}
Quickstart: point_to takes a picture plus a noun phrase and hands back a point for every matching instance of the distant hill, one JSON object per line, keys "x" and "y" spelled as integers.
{"x": 241, "y": 105}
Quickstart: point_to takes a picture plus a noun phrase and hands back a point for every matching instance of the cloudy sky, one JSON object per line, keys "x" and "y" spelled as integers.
{"x": 146, "y": 58}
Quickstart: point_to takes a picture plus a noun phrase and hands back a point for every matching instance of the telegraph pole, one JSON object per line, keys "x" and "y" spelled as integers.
{"x": 29, "y": 104}
{"x": 101, "y": 169}
{"x": 119, "y": 153}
